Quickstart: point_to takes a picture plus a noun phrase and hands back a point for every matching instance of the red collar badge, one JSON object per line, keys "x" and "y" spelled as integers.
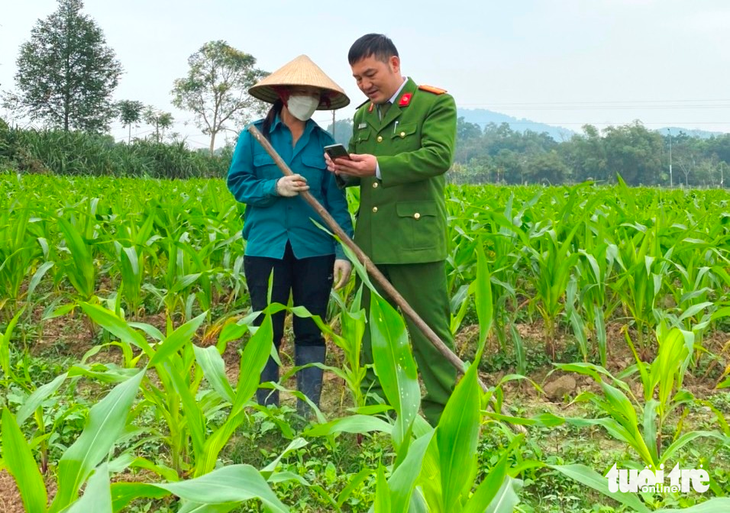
{"x": 405, "y": 100}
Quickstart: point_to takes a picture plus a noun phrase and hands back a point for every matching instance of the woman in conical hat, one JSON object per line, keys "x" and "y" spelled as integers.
{"x": 278, "y": 224}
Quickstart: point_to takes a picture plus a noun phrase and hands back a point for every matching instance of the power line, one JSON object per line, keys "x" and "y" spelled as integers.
{"x": 601, "y": 107}
{"x": 602, "y": 102}
{"x": 663, "y": 123}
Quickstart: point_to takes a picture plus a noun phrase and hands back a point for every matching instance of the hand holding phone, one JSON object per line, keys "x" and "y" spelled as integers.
{"x": 337, "y": 151}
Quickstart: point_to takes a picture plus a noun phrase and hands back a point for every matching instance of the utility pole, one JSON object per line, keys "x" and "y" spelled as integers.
{"x": 671, "y": 182}
{"x": 333, "y": 123}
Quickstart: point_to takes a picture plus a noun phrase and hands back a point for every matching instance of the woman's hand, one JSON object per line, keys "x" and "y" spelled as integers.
{"x": 341, "y": 272}
{"x": 291, "y": 185}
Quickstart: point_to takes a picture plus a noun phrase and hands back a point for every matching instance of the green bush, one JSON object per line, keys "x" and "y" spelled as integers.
{"x": 78, "y": 153}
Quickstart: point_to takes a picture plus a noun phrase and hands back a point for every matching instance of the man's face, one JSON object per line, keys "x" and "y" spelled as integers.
{"x": 377, "y": 79}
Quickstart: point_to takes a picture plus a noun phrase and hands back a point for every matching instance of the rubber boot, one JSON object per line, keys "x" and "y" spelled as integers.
{"x": 309, "y": 380}
{"x": 265, "y": 396}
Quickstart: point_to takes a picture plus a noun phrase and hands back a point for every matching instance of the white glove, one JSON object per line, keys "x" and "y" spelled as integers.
{"x": 291, "y": 185}
{"x": 341, "y": 272}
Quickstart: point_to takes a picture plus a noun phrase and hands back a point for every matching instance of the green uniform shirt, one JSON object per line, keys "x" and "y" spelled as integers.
{"x": 402, "y": 216}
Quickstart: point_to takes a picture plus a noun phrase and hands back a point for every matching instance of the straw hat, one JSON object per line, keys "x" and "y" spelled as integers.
{"x": 301, "y": 72}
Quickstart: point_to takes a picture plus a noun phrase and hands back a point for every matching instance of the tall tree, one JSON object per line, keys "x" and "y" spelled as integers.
{"x": 216, "y": 86}
{"x": 547, "y": 167}
{"x": 158, "y": 119}
{"x": 67, "y": 73}
{"x": 635, "y": 153}
{"x": 130, "y": 113}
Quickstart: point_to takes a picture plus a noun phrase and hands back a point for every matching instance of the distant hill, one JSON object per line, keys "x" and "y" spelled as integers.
{"x": 702, "y": 134}
{"x": 483, "y": 117}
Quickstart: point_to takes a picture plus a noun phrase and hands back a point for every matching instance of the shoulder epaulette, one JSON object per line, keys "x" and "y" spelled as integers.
{"x": 431, "y": 89}
{"x": 362, "y": 104}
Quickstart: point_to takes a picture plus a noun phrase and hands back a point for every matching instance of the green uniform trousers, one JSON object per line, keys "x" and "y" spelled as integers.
{"x": 423, "y": 286}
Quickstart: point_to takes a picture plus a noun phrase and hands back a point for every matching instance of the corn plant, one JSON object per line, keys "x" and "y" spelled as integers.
{"x": 180, "y": 367}
{"x": 662, "y": 394}
{"x": 19, "y": 254}
{"x": 352, "y": 324}
{"x": 594, "y": 271}
{"x": 106, "y": 422}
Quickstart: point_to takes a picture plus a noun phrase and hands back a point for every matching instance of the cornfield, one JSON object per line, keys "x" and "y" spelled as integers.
{"x": 625, "y": 290}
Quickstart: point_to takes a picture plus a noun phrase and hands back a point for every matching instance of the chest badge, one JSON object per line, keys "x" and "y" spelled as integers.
{"x": 362, "y": 125}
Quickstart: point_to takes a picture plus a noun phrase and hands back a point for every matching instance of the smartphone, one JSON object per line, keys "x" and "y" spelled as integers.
{"x": 337, "y": 151}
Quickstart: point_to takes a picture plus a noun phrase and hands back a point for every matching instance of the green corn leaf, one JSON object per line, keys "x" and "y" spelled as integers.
{"x": 355, "y": 482}
{"x": 82, "y": 273}
{"x": 106, "y": 422}
{"x": 97, "y": 494}
{"x": 488, "y": 491}
{"x": 214, "y": 370}
{"x": 124, "y": 493}
{"x": 483, "y": 300}
{"x": 36, "y": 279}
{"x": 353, "y": 424}
{"x": 181, "y": 336}
{"x": 403, "y": 480}
{"x": 394, "y": 364}
{"x": 506, "y": 497}
{"x": 231, "y": 484}
{"x": 117, "y": 327}
{"x": 36, "y": 398}
{"x": 295, "y": 444}
{"x": 690, "y": 437}
{"x": 191, "y": 507}
{"x": 22, "y": 466}
{"x": 596, "y": 481}
{"x": 457, "y": 436}
{"x": 5, "y": 344}
{"x": 382, "y": 494}
{"x": 193, "y": 413}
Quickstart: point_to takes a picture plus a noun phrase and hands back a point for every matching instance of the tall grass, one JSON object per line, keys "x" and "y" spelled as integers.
{"x": 82, "y": 154}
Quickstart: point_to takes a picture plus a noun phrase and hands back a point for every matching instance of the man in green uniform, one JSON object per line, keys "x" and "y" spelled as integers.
{"x": 402, "y": 144}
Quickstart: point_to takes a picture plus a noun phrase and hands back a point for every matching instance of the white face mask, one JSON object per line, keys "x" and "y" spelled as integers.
{"x": 302, "y": 106}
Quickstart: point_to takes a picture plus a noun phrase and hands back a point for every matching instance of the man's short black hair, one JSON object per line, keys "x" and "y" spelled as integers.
{"x": 377, "y": 45}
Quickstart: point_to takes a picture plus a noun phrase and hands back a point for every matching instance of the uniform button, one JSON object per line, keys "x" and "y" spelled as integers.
{"x": 380, "y": 138}
{"x": 417, "y": 216}
{"x": 375, "y": 185}
{"x": 375, "y": 209}
{"x": 402, "y": 135}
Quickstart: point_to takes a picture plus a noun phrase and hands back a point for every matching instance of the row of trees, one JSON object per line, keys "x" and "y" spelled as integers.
{"x": 67, "y": 74}
{"x": 641, "y": 156}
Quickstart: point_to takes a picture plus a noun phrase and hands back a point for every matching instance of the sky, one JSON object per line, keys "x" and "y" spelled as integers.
{"x": 561, "y": 62}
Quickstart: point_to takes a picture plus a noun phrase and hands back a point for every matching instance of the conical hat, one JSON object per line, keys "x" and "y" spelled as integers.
{"x": 301, "y": 72}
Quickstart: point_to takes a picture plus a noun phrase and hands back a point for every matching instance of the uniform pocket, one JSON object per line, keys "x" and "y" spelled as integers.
{"x": 316, "y": 162}
{"x": 405, "y": 137}
{"x": 314, "y": 170}
{"x": 265, "y": 166}
{"x": 419, "y": 222}
{"x": 404, "y": 131}
{"x": 362, "y": 135}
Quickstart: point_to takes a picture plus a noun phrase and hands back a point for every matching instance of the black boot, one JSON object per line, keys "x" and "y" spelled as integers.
{"x": 265, "y": 396}
{"x": 309, "y": 380}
